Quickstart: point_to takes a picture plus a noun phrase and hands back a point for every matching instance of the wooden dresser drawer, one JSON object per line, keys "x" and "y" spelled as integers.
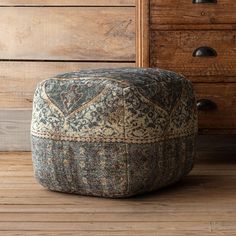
{"x": 67, "y": 33}
{"x": 174, "y": 12}
{"x": 173, "y": 50}
{"x": 67, "y": 3}
{"x": 224, "y": 96}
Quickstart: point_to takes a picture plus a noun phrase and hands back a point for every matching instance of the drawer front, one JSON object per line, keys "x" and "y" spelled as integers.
{"x": 175, "y": 50}
{"x": 185, "y": 12}
{"x": 220, "y": 112}
{"x": 67, "y": 3}
{"x": 67, "y": 33}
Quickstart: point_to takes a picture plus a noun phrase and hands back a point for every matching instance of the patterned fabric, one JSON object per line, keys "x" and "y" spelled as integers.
{"x": 113, "y": 132}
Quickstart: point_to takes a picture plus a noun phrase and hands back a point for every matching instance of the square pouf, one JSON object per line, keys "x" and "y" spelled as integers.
{"x": 113, "y": 132}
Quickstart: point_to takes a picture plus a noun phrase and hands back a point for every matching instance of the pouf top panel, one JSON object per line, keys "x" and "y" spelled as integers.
{"x": 127, "y": 76}
{"x": 160, "y": 86}
{"x": 131, "y": 105}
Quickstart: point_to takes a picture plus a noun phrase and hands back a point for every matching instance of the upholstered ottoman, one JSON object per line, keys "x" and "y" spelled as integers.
{"x": 113, "y": 132}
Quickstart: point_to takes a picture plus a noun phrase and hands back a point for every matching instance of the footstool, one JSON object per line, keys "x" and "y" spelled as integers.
{"x": 113, "y": 132}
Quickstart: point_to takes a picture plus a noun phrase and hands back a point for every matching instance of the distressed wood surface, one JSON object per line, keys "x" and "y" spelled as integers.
{"x": 194, "y": 27}
{"x": 216, "y": 145}
{"x": 68, "y": 33}
{"x": 18, "y": 79}
{"x": 210, "y": 79}
{"x": 116, "y": 233}
{"x": 224, "y": 95}
{"x": 173, "y": 50}
{"x": 15, "y": 130}
{"x": 172, "y": 12}
{"x": 67, "y": 3}
{"x": 203, "y": 203}
{"x": 207, "y": 131}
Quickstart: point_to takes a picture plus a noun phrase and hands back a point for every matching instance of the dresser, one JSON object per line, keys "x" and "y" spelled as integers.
{"x": 196, "y": 38}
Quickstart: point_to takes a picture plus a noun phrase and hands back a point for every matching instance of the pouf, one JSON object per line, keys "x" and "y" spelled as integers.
{"x": 113, "y": 132}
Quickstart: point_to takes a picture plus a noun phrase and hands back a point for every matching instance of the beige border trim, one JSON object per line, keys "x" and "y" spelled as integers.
{"x": 62, "y": 137}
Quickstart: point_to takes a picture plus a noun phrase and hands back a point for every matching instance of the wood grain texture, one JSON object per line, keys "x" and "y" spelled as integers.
{"x": 172, "y": 12}
{"x": 210, "y": 79}
{"x": 15, "y": 130}
{"x": 115, "y": 233}
{"x": 18, "y": 79}
{"x": 203, "y": 203}
{"x": 142, "y": 33}
{"x": 207, "y": 131}
{"x": 224, "y": 95}
{"x": 216, "y": 145}
{"x": 173, "y": 50}
{"x": 194, "y": 27}
{"x": 67, "y": 3}
{"x": 68, "y": 33}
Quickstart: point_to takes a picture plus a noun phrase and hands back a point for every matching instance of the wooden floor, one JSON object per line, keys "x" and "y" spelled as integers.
{"x": 202, "y": 204}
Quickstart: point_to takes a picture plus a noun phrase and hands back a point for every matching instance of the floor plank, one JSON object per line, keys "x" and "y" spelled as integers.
{"x": 203, "y": 203}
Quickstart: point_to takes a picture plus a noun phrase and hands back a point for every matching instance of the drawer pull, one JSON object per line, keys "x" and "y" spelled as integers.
{"x": 204, "y": 1}
{"x": 205, "y": 52}
{"x": 206, "y": 105}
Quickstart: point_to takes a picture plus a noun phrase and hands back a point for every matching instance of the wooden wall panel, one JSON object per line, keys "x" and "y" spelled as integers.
{"x": 68, "y": 33}
{"x": 18, "y": 79}
{"x": 67, "y": 2}
{"x": 15, "y": 130}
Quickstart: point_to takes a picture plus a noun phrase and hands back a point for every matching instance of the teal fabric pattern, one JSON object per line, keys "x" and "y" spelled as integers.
{"x": 113, "y": 132}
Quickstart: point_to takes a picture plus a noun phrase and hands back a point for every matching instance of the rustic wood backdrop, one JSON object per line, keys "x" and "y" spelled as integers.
{"x": 42, "y": 38}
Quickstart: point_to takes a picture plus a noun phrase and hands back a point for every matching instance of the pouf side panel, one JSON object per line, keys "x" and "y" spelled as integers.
{"x": 100, "y": 118}
{"x": 156, "y": 165}
{"x": 183, "y": 116}
{"x": 150, "y": 118}
{"x": 160, "y": 129}
{"x": 98, "y": 169}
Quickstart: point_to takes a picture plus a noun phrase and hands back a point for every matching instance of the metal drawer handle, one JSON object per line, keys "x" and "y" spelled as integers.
{"x": 204, "y": 1}
{"x": 206, "y": 105}
{"x": 205, "y": 52}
